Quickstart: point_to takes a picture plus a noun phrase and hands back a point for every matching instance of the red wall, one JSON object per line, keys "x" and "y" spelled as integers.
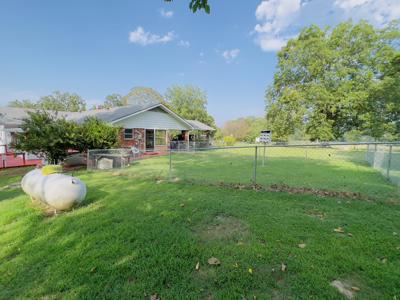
{"x": 138, "y": 139}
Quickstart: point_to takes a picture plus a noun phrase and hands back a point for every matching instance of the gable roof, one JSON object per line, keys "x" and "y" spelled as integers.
{"x": 15, "y": 115}
{"x": 197, "y": 125}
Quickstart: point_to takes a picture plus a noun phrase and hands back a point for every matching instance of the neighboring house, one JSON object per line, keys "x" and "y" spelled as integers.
{"x": 145, "y": 126}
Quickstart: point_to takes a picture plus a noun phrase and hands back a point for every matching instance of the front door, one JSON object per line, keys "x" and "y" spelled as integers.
{"x": 149, "y": 140}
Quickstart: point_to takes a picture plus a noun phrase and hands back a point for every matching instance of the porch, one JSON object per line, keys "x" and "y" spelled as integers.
{"x": 161, "y": 140}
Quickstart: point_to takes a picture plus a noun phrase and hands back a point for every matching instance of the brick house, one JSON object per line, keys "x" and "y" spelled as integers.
{"x": 149, "y": 127}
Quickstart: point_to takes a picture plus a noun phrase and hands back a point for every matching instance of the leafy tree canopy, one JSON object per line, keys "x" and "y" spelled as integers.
{"x": 190, "y": 102}
{"x": 96, "y": 134}
{"x": 245, "y": 129}
{"x": 331, "y": 81}
{"x": 57, "y": 101}
{"x": 195, "y": 5}
{"x": 113, "y": 100}
{"x": 142, "y": 96}
{"x": 48, "y": 135}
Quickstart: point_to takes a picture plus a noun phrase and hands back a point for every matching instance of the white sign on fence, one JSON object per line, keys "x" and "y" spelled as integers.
{"x": 265, "y": 136}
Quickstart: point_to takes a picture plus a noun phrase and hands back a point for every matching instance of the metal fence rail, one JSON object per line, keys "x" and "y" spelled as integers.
{"x": 366, "y": 168}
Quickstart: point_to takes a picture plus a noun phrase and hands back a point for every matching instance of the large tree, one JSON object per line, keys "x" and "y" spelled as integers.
{"x": 189, "y": 102}
{"x": 328, "y": 82}
{"x": 58, "y": 101}
{"x": 113, "y": 100}
{"x": 141, "y": 96}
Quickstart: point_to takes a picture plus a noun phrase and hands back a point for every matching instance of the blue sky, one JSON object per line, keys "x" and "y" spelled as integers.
{"x": 95, "y": 48}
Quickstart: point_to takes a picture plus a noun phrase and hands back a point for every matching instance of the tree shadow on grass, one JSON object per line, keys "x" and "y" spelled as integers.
{"x": 91, "y": 251}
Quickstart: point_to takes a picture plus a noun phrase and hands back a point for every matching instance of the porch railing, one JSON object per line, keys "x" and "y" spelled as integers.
{"x": 189, "y": 145}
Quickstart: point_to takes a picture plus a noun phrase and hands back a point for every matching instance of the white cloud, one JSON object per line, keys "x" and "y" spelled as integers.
{"x": 280, "y": 20}
{"x": 166, "y": 13}
{"x": 378, "y": 12}
{"x": 230, "y": 55}
{"x": 144, "y": 38}
{"x": 349, "y": 4}
{"x": 274, "y": 17}
{"x": 185, "y": 44}
{"x": 271, "y": 44}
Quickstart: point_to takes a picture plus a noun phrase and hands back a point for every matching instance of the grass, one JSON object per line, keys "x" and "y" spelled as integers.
{"x": 323, "y": 168}
{"x": 133, "y": 238}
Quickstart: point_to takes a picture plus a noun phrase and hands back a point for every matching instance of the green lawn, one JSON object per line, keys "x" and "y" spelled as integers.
{"x": 318, "y": 168}
{"x": 134, "y": 236}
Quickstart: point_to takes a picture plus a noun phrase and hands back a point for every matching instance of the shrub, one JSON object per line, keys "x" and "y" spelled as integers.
{"x": 229, "y": 140}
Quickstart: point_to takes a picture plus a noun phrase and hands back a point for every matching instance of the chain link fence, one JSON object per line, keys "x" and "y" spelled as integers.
{"x": 385, "y": 159}
{"x": 106, "y": 159}
{"x": 371, "y": 169}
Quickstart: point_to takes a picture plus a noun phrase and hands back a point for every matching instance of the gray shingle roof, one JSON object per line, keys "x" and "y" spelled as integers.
{"x": 197, "y": 125}
{"x": 14, "y": 116}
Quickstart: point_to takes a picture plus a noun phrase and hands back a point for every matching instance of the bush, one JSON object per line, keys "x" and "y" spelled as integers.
{"x": 49, "y": 136}
{"x": 96, "y": 134}
{"x": 229, "y": 140}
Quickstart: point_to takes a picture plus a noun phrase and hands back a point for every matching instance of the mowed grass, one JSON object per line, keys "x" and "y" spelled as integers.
{"x": 318, "y": 168}
{"x": 134, "y": 238}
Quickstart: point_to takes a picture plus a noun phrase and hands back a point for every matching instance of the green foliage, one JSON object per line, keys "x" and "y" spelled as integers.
{"x": 50, "y": 136}
{"x": 46, "y": 135}
{"x": 245, "y": 129}
{"x": 195, "y": 5}
{"x": 58, "y": 101}
{"x": 142, "y": 96}
{"x": 96, "y": 134}
{"x": 190, "y": 102}
{"x": 113, "y": 100}
{"x": 22, "y": 103}
{"x": 229, "y": 140}
{"x": 332, "y": 81}
{"x": 353, "y": 136}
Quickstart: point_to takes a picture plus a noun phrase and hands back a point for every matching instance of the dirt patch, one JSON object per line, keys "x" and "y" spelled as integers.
{"x": 223, "y": 227}
{"x": 295, "y": 190}
{"x": 317, "y": 192}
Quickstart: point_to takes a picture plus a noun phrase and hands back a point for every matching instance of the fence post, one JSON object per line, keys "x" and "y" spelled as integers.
{"x": 170, "y": 164}
{"x": 87, "y": 160}
{"x": 389, "y": 161}
{"x": 255, "y": 165}
{"x": 264, "y": 155}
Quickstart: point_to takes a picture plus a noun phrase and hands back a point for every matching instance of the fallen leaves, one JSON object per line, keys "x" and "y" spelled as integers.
{"x": 250, "y": 270}
{"x": 283, "y": 267}
{"x": 154, "y": 297}
{"x": 213, "y": 261}
{"x": 197, "y": 266}
{"x": 339, "y": 230}
{"x": 344, "y": 288}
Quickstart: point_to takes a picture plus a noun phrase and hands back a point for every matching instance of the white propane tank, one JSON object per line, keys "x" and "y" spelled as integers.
{"x": 29, "y": 184}
{"x": 57, "y": 190}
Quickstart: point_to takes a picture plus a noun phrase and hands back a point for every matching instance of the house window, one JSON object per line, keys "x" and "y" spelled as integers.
{"x": 161, "y": 137}
{"x": 128, "y": 133}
